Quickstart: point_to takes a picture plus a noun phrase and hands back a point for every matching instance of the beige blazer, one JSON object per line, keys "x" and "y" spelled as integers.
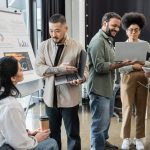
{"x": 67, "y": 95}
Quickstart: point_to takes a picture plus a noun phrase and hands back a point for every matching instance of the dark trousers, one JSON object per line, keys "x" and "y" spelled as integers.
{"x": 71, "y": 122}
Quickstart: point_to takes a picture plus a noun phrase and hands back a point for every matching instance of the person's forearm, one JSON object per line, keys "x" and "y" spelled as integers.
{"x": 126, "y": 69}
{"x": 54, "y": 70}
{"x": 116, "y": 66}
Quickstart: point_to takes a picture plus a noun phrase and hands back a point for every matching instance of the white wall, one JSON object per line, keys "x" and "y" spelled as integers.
{"x": 2, "y": 3}
{"x": 75, "y": 15}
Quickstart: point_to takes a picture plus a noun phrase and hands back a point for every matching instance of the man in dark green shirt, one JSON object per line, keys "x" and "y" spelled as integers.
{"x": 101, "y": 79}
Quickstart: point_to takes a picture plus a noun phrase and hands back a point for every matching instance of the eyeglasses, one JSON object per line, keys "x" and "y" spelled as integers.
{"x": 135, "y": 30}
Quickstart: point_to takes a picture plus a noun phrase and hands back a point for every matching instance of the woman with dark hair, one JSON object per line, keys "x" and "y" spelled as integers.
{"x": 13, "y": 133}
{"x": 132, "y": 91}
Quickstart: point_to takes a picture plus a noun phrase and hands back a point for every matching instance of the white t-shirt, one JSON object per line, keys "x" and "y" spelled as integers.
{"x": 128, "y": 69}
{"x": 12, "y": 125}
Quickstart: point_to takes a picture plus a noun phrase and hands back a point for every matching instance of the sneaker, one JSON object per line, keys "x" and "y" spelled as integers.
{"x": 126, "y": 144}
{"x": 109, "y": 146}
{"x": 139, "y": 144}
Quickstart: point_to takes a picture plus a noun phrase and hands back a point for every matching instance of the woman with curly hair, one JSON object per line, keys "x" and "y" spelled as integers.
{"x": 132, "y": 92}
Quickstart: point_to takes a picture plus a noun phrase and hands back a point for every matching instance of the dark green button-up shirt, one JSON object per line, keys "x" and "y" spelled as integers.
{"x": 101, "y": 55}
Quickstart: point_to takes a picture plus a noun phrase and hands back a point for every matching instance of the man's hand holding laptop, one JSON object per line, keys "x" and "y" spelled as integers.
{"x": 137, "y": 65}
{"x": 71, "y": 69}
{"x": 126, "y": 62}
{"x": 70, "y": 74}
{"x": 68, "y": 68}
{"x": 77, "y": 82}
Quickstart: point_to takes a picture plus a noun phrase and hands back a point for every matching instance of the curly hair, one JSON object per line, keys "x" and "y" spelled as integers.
{"x": 133, "y": 18}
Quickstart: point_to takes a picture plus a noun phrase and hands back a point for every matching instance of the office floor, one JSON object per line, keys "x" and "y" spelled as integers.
{"x": 32, "y": 122}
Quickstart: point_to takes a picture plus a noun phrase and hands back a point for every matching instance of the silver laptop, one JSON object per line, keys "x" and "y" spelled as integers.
{"x": 63, "y": 79}
{"x": 131, "y": 51}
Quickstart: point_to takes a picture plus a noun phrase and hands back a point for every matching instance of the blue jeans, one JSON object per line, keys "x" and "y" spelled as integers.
{"x": 48, "y": 144}
{"x": 112, "y": 103}
{"x": 100, "y": 109}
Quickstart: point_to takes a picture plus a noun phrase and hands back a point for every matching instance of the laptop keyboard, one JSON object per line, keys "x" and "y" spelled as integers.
{"x": 71, "y": 77}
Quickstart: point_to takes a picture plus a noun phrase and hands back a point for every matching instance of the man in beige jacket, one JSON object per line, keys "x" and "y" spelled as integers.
{"x": 60, "y": 55}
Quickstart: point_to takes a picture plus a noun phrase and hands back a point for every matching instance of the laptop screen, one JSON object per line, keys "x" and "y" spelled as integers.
{"x": 82, "y": 63}
{"x": 131, "y": 51}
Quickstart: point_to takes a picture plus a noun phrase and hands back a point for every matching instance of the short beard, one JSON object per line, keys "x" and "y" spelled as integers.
{"x": 108, "y": 32}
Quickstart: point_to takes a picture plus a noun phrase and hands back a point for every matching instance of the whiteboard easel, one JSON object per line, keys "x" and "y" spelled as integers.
{"x": 14, "y": 41}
